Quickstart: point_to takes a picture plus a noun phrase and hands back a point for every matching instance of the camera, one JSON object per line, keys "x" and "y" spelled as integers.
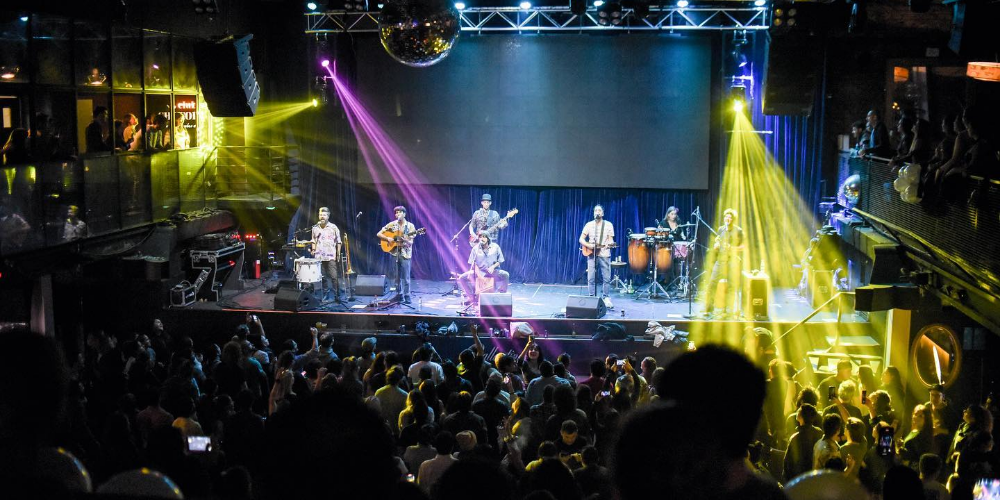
{"x": 884, "y": 447}
{"x": 199, "y": 444}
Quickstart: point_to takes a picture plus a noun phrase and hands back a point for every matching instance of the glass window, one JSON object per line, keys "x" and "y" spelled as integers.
{"x": 93, "y": 123}
{"x": 53, "y": 123}
{"x": 185, "y": 76}
{"x": 51, "y": 37}
{"x": 158, "y": 117}
{"x": 90, "y": 49}
{"x": 100, "y": 183}
{"x": 13, "y": 116}
{"x": 156, "y": 52}
{"x": 127, "y": 53}
{"x": 128, "y": 121}
{"x": 134, "y": 188}
{"x": 185, "y": 122}
{"x": 13, "y": 49}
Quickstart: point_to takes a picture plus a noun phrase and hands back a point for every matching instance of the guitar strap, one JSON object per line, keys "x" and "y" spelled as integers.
{"x": 600, "y": 240}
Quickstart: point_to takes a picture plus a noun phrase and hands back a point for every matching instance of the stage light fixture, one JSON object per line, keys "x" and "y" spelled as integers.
{"x": 738, "y": 105}
{"x": 24, "y": 19}
{"x": 315, "y": 103}
{"x": 759, "y": 3}
{"x": 525, "y": 5}
{"x": 460, "y": 5}
{"x": 311, "y": 6}
{"x": 209, "y": 7}
{"x": 598, "y": 3}
{"x": 325, "y": 63}
{"x": 610, "y": 13}
{"x": 682, "y": 3}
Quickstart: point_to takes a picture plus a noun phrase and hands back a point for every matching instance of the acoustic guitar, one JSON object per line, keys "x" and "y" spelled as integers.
{"x": 587, "y": 252}
{"x": 397, "y": 238}
{"x": 474, "y": 238}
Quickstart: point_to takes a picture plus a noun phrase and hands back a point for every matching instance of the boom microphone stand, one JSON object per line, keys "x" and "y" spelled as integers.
{"x": 691, "y": 281}
{"x": 454, "y": 239}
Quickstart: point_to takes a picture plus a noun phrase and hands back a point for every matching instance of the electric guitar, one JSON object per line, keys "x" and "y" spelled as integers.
{"x": 473, "y": 238}
{"x": 397, "y": 238}
{"x": 587, "y": 252}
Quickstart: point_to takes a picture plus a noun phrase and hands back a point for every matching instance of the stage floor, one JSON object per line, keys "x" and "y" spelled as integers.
{"x": 530, "y": 301}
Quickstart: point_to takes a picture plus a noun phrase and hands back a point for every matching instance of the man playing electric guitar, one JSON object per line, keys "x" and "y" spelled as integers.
{"x": 596, "y": 240}
{"x": 400, "y": 234}
{"x": 487, "y": 220}
{"x": 484, "y": 274}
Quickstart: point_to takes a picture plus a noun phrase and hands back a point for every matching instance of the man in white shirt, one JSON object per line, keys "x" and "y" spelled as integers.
{"x": 598, "y": 237}
{"x": 326, "y": 247}
{"x": 425, "y": 353}
{"x": 432, "y": 470}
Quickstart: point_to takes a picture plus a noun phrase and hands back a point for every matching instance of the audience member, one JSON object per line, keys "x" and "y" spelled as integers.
{"x": 392, "y": 399}
{"x": 96, "y": 133}
{"x": 828, "y": 447}
{"x": 15, "y": 150}
{"x": 878, "y": 137}
{"x": 930, "y": 470}
{"x": 800, "y": 452}
{"x": 431, "y": 470}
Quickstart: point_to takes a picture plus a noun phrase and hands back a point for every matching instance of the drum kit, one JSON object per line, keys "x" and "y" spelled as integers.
{"x": 654, "y": 252}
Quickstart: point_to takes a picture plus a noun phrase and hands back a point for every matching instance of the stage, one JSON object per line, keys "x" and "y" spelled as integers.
{"x": 542, "y": 306}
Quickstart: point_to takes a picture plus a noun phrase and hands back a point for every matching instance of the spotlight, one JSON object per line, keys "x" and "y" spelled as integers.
{"x": 381, "y": 6}
{"x": 311, "y": 6}
{"x": 325, "y": 63}
{"x": 358, "y": 5}
{"x": 460, "y": 5}
{"x": 682, "y": 3}
{"x": 315, "y": 103}
{"x": 598, "y": 3}
{"x": 209, "y": 7}
{"x": 609, "y": 13}
{"x": 24, "y": 19}
{"x": 525, "y": 5}
{"x": 759, "y": 3}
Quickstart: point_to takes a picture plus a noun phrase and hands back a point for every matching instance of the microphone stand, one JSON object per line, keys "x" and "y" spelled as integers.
{"x": 454, "y": 239}
{"x": 690, "y": 285}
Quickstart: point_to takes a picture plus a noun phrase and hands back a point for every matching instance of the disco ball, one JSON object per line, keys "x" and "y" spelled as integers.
{"x": 850, "y": 191}
{"x": 419, "y": 33}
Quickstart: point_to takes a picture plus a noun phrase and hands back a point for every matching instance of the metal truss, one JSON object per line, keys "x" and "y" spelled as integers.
{"x": 560, "y": 19}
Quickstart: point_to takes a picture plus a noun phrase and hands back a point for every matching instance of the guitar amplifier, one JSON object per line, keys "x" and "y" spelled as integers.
{"x": 755, "y": 295}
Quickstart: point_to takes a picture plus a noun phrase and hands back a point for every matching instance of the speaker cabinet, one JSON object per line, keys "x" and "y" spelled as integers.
{"x": 886, "y": 265}
{"x": 791, "y": 70}
{"x": 290, "y": 298}
{"x": 226, "y": 75}
{"x": 371, "y": 285}
{"x": 883, "y": 297}
{"x": 755, "y": 295}
{"x": 585, "y": 306}
{"x": 496, "y": 305}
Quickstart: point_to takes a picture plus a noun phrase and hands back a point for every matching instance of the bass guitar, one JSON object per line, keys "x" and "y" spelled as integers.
{"x": 397, "y": 238}
{"x": 473, "y": 238}
{"x": 587, "y": 252}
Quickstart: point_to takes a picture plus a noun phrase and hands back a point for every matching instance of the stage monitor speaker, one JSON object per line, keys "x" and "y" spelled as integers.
{"x": 585, "y": 306}
{"x": 883, "y": 298}
{"x": 496, "y": 305}
{"x": 755, "y": 296}
{"x": 887, "y": 264}
{"x": 821, "y": 287}
{"x": 371, "y": 285}
{"x": 226, "y": 75}
{"x": 791, "y": 71}
{"x": 295, "y": 300}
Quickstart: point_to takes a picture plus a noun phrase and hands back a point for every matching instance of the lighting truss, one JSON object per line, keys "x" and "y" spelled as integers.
{"x": 553, "y": 19}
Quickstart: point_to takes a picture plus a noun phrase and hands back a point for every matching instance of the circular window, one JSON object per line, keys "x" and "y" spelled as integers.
{"x": 936, "y": 355}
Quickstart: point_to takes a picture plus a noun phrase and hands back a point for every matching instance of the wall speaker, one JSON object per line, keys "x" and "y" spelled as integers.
{"x": 883, "y": 298}
{"x": 585, "y": 306}
{"x": 371, "y": 285}
{"x": 496, "y": 305}
{"x": 226, "y": 75}
{"x": 295, "y": 300}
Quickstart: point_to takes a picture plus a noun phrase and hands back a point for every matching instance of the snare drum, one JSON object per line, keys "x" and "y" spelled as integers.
{"x": 308, "y": 270}
{"x": 682, "y": 249}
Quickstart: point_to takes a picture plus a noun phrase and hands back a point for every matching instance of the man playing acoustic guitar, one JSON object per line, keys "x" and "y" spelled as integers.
{"x": 401, "y": 233}
{"x": 596, "y": 240}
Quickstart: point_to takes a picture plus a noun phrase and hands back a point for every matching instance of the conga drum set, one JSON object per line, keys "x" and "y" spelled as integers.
{"x": 653, "y": 252}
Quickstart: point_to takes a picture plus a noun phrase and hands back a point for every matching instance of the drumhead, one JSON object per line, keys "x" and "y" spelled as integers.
{"x": 637, "y": 236}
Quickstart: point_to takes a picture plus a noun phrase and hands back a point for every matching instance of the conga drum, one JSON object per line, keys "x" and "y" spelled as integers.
{"x": 638, "y": 253}
{"x": 664, "y": 259}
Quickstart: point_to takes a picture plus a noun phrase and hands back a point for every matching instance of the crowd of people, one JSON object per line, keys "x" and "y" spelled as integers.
{"x": 965, "y": 144}
{"x": 250, "y": 419}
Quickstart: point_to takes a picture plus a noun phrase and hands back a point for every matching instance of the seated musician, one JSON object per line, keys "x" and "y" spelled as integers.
{"x": 484, "y": 264}
{"x": 672, "y": 222}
